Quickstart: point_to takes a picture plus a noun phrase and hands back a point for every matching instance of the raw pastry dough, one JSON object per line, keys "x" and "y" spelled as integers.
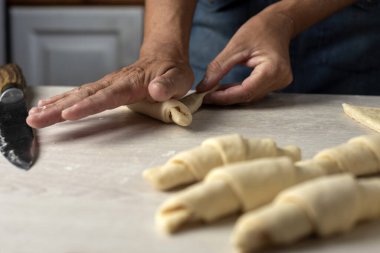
{"x": 247, "y": 185}
{"x": 169, "y": 111}
{"x": 192, "y": 165}
{"x": 324, "y": 206}
{"x": 359, "y": 156}
{"x": 368, "y": 116}
{"x": 237, "y": 187}
{"x": 172, "y": 111}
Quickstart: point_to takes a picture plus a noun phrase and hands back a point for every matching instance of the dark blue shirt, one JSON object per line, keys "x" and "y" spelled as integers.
{"x": 340, "y": 55}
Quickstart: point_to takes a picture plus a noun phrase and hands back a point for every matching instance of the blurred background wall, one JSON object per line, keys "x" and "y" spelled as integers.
{"x": 71, "y": 42}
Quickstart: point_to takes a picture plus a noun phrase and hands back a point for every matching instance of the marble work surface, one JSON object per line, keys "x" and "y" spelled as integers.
{"x": 85, "y": 193}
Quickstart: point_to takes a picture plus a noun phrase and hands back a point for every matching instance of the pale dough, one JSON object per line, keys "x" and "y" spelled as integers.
{"x": 193, "y": 165}
{"x": 324, "y": 206}
{"x": 360, "y": 155}
{"x": 244, "y": 186}
{"x": 368, "y": 116}
{"x": 169, "y": 111}
{"x": 172, "y": 111}
{"x": 230, "y": 189}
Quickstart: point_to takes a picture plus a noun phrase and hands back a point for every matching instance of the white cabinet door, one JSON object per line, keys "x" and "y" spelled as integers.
{"x": 74, "y": 45}
{"x": 2, "y": 32}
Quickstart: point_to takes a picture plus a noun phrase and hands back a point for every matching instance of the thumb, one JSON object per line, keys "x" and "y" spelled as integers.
{"x": 174, "y": 83}
{"x": 220, "y": 66}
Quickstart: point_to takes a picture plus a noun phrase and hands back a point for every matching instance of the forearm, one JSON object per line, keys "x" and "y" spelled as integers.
{"x": 305, "y": 13}
{"x": 167, "y": 27}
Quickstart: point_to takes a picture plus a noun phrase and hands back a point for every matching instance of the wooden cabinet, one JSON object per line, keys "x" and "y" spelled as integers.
{"x": 74, "y": 45}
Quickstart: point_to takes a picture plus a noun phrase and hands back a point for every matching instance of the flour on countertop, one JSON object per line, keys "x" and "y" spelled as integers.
{"x": 169, "y": 153}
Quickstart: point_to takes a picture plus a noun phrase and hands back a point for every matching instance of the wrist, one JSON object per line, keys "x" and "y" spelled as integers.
{"x": 167, "y": 29}
{"x": 169, "y": 50}
{"x": 283, "y": 24}
{"x": 303, "y": 14}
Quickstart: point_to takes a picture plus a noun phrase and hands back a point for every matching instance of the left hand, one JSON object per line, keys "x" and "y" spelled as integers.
{"x": 148, "y": 78}
{"x": 262, "y": 44}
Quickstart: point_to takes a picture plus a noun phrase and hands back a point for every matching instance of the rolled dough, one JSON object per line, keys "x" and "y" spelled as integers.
{"x": 324, "y": 206}
{"x": 194, "y": 164}
{"x": 245, "y": 186}
{"x": 175, "y": 111}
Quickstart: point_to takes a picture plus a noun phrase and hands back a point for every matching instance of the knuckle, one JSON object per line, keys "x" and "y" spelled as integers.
{"x": 247, "y": 96}
{"x": 104, "y": 99}
{"x": 214, "y": 67}
{"x": 76, "y": 90}
{"x": 280, "y": 70}
{"x": 167, "y": 81}
{"x": 277, "y": 66}
{"x": 269, "y": 71}
{"x": 289, "y": 78}
{"x": 285, "y": 72}
{"x": 127, "y": 68}
{"x": 136, "y": 77}
{"x": 82, "y": 92}
{"x": 89, "y": 91}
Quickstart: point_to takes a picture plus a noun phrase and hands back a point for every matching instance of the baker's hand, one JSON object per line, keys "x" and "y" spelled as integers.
{"x": 148, "y": 78}
{"x": 262, "y": 44}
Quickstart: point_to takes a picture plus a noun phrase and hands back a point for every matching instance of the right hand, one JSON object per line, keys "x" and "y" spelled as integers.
{"x": 147, "y": 79}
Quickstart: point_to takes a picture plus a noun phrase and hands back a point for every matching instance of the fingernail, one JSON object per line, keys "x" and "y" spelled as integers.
{"x": 37, "y": 109}
{"x": 205, "y": 80}
{"x": 33, "y": 110}
{"x": 202, "y": 86}
{"x": 41, "y": 102}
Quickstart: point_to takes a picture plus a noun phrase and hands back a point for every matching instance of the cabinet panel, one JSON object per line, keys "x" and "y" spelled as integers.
{"x": 70, "y": 46}
{"x": 67, "y": 58}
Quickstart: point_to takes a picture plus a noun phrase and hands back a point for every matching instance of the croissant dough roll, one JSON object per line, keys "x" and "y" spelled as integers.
{"x": 172, "y": 111}
{"x": 256, "y": 183}
{"x": 324, "y": 206}
{"x": 238, "y": 187}
{"x": 360, "y": 156}
{"x": 193, "y": 165}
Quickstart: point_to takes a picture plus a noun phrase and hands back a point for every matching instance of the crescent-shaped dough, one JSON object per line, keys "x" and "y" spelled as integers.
{"x": 360, "y": 156}
{"x": 324, "y": 206}
{"x": 172, "y": 111}
{"x": 248, "y": 185}
{"x": 193, "y": 165}
{"x": 368, "y": 116}
{"x": 227, "y": 190}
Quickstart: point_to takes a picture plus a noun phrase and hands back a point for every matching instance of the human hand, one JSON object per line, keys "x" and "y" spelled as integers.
{"x": 262, "y": 44}
{"x": 148, "y": 78}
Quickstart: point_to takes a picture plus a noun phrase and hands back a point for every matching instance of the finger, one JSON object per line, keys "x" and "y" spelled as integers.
{"x": 35, "y": 110}
{"x": 51, "y": 113}
{"x": 121, "y": 92}
{"x": 53, "y": 99}
{"x": 253, "y": 88}
{"x": 45, "y": 116}
{"x": 170, "y": 84}
{"x": 47, "y": 101}
{"x": 220, "y": 66}
{"x": 44, "y": 102}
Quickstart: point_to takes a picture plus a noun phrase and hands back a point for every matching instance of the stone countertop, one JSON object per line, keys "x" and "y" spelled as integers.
{"x": 85, "y": 193}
